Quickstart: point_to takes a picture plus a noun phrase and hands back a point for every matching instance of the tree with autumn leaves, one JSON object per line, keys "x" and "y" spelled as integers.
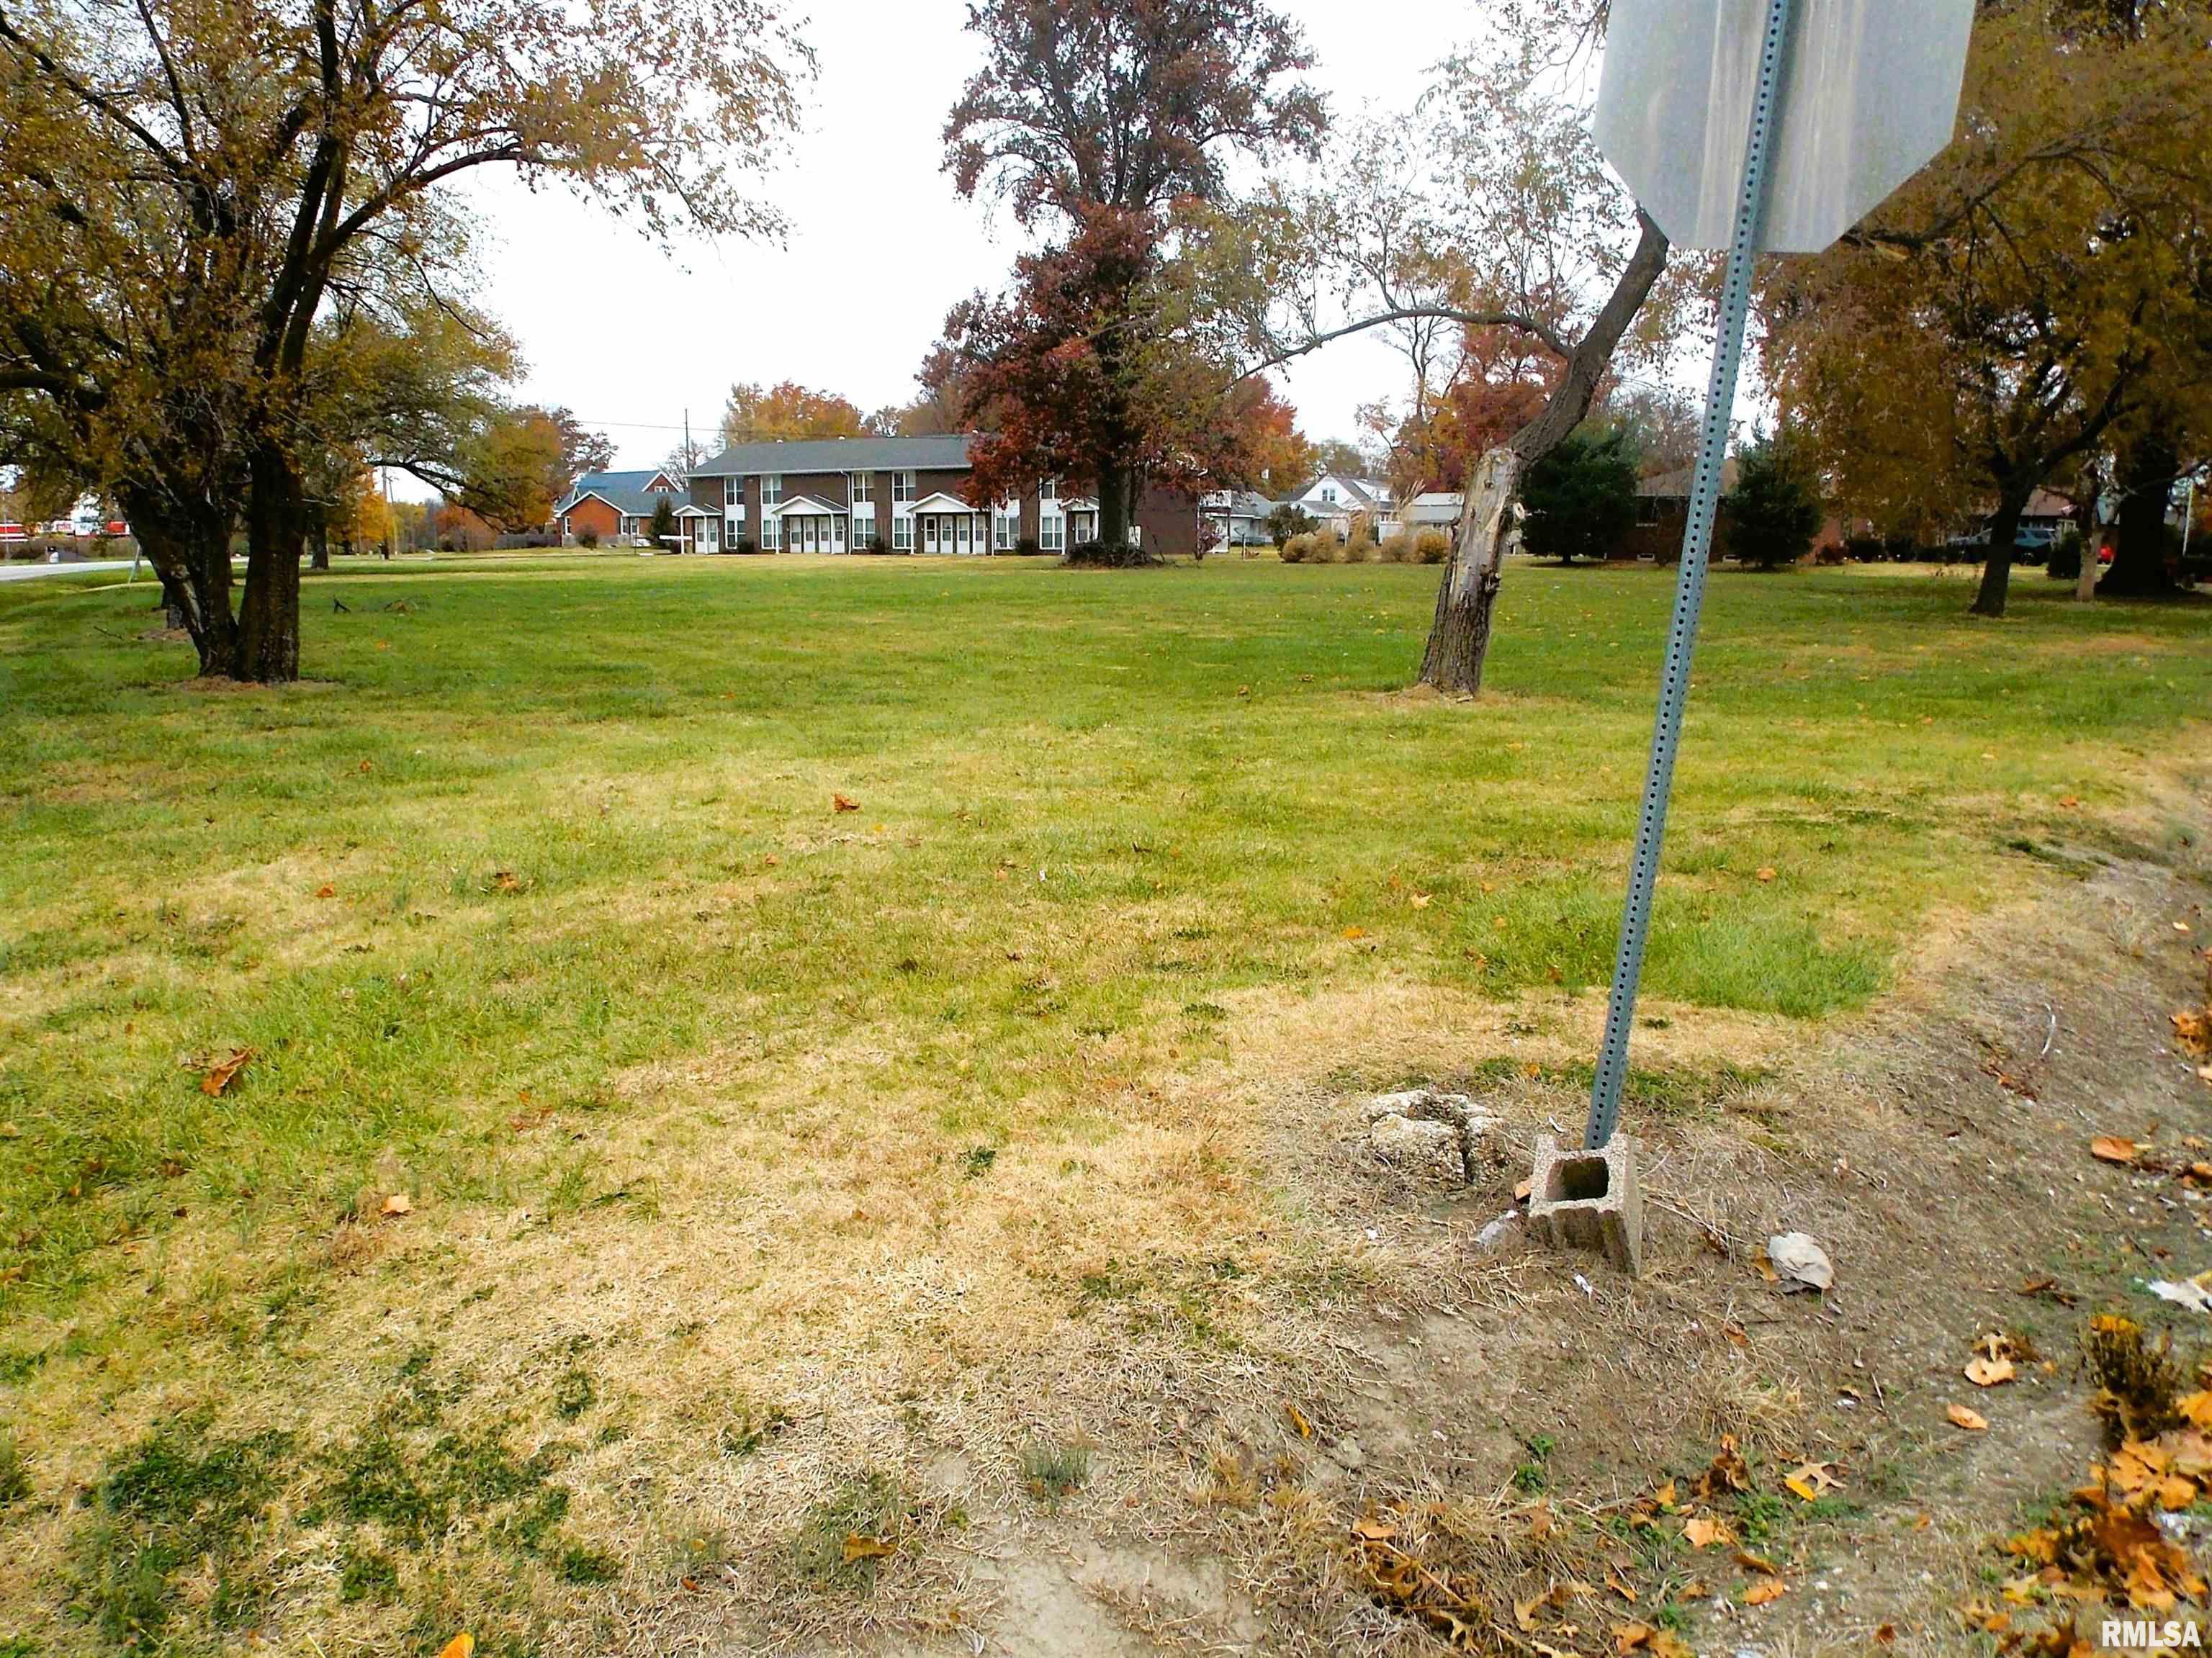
{"x": 2039, "y": 295}
{"x": 1095, "y": 120}
{"x": 192, "y": 192}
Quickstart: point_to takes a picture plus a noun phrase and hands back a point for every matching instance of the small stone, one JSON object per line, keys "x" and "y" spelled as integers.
{"x": 1493, "y": 1235}
{"x": 1348, "y": 1454}
{"x": 1416, "y": 1143}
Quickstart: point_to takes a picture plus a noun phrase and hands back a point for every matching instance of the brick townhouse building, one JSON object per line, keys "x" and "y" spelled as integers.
{"x": 894, "y": 494}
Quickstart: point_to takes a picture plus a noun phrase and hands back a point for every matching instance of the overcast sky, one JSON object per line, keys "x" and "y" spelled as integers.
{"x": 629, "y": 336}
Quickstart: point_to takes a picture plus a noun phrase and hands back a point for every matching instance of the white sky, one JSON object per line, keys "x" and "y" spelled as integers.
{"x": 629, "y": 336}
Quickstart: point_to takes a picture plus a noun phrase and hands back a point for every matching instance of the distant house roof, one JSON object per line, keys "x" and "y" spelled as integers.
{"x": 626, "y": 492}
{"x": 2047, "y": 503}
{"x": 1675, "y": 485}
{"x": 1437, "y": 506}
{"x": 1246, "y": 503}
{"x": 943, "y": 453}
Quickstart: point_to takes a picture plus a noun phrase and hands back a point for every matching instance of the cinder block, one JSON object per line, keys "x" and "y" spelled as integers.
{"x": 1580, "y": 1200}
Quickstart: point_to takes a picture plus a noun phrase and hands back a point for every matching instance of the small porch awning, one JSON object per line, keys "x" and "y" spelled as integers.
{"x": 692, "y": 509}
{"x": 804, "y": 507}
{"x": 941, "y": 502}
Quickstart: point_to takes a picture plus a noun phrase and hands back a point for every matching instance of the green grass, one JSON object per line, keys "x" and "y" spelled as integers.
{"x": 576, "y": 819}
{"x": 548, "y": 793}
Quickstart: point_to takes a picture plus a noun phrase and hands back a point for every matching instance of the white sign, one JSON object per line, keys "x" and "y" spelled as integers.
{"x": 1869, "y": 96}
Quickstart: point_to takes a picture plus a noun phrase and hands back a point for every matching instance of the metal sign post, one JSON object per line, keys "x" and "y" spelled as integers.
{"x": 1690, "y": 584}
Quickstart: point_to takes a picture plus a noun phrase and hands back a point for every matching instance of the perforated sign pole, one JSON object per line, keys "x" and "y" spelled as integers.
{"x": 1690, "y": 586}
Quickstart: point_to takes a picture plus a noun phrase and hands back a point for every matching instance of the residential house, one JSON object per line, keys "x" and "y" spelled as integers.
{"x": 1435, "y": 510}
{"x": 1662, "y": 513}
{"x": 899, "y": 495}
{"x": 1238, "y": 517}
{"x": 1334, "y": 499}
{"x": 616, "y": 507}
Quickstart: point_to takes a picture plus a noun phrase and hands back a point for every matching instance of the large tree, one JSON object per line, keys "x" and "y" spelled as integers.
{"x": 190, "y": 189}
{"x": 1516, "y": 238}
{"x": 789, "y": 411}
{"x": 2037, "y": 293}
{"x": 1092, "y": 118}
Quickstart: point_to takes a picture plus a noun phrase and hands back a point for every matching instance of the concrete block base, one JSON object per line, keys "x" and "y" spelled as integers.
{"x": 1580, "y": 1200}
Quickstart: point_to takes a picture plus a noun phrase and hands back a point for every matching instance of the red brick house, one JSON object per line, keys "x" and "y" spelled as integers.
{"x": 616, "y": 507}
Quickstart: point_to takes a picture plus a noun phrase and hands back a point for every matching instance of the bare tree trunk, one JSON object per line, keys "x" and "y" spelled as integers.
{"x": 1489, "y": 523}
{"x": 269, "y": 618}
{"x": 2004, "y": 532}
{"x": 2147, "y": 471}
{"x": 190, "y": 551}
{"x": 1489, "y": 529}
{"x": 1114, "y": 508}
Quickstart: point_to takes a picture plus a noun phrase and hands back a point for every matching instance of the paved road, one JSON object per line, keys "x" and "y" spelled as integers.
{"x": 33, "y": 572}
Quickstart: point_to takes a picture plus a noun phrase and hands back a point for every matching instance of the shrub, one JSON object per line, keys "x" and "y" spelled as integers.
{"x": 1395, "y": 549}
{"x": 1287, "y": 522}
{"x": 1830, "y": 552}
{"x": 1580, "y": 499}
{"x": 1303, "y": 547}
{"x": 1359, "y": 549}
{"x": 1431, "y": 547}
{"x": 587, "y": 539}
{"x": 744, "y": 546}
{"x": 1774, "y": 511}
{"x": 1866, "y": 549}
{"x": 1027, "y": 547}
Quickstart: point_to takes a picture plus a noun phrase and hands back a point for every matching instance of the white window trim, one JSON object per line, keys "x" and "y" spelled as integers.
{"x": 1049, "y": 489}
{"x": 903, "y": 489}
{"x": 1052, "y": 533}
{"x": 733, "y": 492}
{"x": 864, "y": 488}
{"x": 1004, "y": 527}
{"x": 903, "y": 533}
{"x": 771, "y": 489}
{"x": 771, "y": 536}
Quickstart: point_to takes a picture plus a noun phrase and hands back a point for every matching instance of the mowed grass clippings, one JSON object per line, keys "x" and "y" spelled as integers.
{"x": 758, "y": 1150}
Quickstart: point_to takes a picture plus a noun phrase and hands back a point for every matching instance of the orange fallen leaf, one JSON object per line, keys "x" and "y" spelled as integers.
{"x": 2111, "y": 1148}
{"x": 1987, "y": 1372}
{"x": 326, "y": 890}
{"x": 840, "y": 803}
{"x": 1705, "y": 1530}
{"x": 1631, "y": 1638}
{"x": 462, "y": 1645}
{"x": 1664, "y": 1495}
{"x": 2070, "y": 801}
{"x": 220, "y": 1074}
{"x": 1765, "y": 1589}
{"x": 1375, "y": 1531}
{"x": 859, "y": 1546}
{"x": 1757, "y": 1563}
{"x": 1971, "y": 1421}
{"x": 1766, "y": 875}
{"x": 398, "y": 1204}
{"x": 1298, "y": 1420}
{"x": 1420, "y": 901}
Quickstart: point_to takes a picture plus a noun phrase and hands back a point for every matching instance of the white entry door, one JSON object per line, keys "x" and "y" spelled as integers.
{"x": 836, "y": 535}
{"x": 929, "y": 533}
{"x": 710, "y": 535}
{"x": 966, "y": 529}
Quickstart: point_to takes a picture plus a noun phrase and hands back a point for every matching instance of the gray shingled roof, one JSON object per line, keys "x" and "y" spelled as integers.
{"x": 624, "y": 491}
{"x": 841, "y": 455}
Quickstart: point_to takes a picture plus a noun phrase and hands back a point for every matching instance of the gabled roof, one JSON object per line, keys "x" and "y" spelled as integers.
{"x": 626, "y": 492}
{"x": 946, "y": 453}
{"x": 942, "y": 503}
{"x": 801, "y": 506}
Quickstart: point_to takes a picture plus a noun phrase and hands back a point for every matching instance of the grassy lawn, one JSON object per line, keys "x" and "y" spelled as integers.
{"x": 541, "y": 905}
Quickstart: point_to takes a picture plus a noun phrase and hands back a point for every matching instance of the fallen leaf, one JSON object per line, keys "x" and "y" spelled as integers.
{"x": 1986, "y": 1372}
{"x": 1757, "y": 1563}
{"x": 1971, "y": 1421}
{"x": 840, "y": 803}
{"x": 1620, "y": 1587}
{"x": 220, "y": 1074}
{"x": 2196, "y": 1406}
{"x": 1885, "y": 1634}
{"x": 2070, "y": 801}
{"x": 1705, "y": 1530}
{"x": 398, "y": 1204}
{"x": 1812, "y": 1479}
{"x": 1766, "y": 1589}
{"x": 2175, "y": 1493}
{"x": 859, "y": 1546}
{"x": 1664, "y": 1495}
{"x": 1420, "y": 901}
{"x": 1766, "y": 875}
{"x": 1374, "y": 1531}
{"x": 2111, "y": 1148}
{"x": 1631, "y": 1638}
{"x": 326, "y": 890}
{"x": 462, "y": 1645}
{"x": 1298, "y": 1420}
{"x": 1355, "y": 932}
